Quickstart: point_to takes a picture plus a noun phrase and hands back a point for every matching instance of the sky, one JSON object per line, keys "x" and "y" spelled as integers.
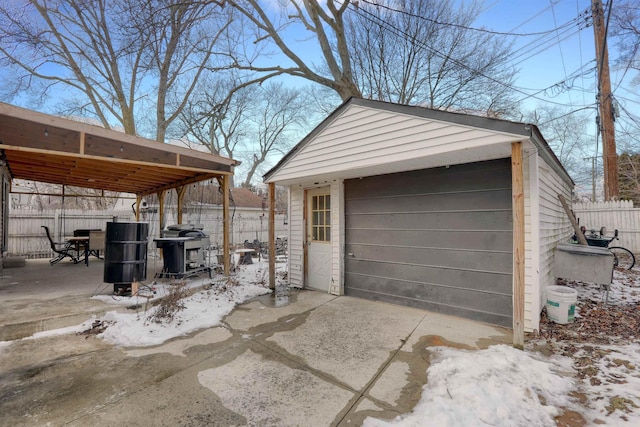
{"x": 498, "y": 386}
{"x": 555, "y": 69}
{"x": 560, "y": 67}
{"x": 546, "y": 60}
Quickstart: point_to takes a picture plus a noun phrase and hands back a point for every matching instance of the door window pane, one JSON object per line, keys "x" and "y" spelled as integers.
{"x": 321, "y": 218}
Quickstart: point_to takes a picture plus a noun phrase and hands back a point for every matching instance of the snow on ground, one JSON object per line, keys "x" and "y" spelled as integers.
{"x": 500, "y": 386}
{"x": 596, "y": 378}
{"x": 203, "y": 309}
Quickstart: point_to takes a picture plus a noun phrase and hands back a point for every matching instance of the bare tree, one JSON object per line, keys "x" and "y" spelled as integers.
{"x": 321, "y": 21}
{"x": 281, "y": 112}
{"x": 425, "y": 52}
{"x": 215, "y": 116}
{"x": 568, "y": 135}
{"x": 251, "y": 124}
{"x": 626, "y": 29}
{"x": 118, "y": 58}
{"x": 629, "y": 177}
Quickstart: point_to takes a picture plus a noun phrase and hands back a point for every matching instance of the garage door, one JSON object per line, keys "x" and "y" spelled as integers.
{"x": 438, "y": 239}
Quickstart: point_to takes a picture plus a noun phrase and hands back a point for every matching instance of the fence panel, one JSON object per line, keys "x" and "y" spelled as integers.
{"x": 620, "y": 215}
{"x": 27, "y": 238}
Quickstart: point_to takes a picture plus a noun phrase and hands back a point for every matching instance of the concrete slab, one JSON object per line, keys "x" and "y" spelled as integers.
{"x": 255, "y": 313}
{"x": 321, "y": 360}
{"x": 363, "y": 336}
{"x": 268, "y": 393}
{"x": 460, "y": 331}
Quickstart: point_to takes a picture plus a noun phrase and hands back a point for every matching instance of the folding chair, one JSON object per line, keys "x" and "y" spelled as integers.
{"x": 96, "y": 242}
{"x": 62, "y": 249}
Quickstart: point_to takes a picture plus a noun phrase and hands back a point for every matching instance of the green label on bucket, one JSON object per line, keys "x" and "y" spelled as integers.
{"x": 572, "y": 311}
{"x": 553, "y": 303}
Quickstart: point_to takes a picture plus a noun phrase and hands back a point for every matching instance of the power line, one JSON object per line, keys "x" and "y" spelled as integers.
{"x": 583, "y": 22}
{"x": 531, "y": 18}
{"x": 451, "y": 24}
{"x": 567, "y": 114}
{"x": 394, "y": 30}
{"x": 564, "y": 67}
{"x": 584, "y": 101}
{"x": 576, "y": 74}
{"x": 541, "y": 47}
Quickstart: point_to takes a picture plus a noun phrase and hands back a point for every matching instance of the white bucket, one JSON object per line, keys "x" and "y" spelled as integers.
{"x": 561, "y": 304}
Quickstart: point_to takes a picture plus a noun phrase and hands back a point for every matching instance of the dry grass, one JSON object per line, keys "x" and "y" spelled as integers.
{"x": 170, "y": 305}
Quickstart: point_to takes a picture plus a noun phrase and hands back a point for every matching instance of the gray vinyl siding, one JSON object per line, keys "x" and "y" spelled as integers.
{"x": 438, "y": 239}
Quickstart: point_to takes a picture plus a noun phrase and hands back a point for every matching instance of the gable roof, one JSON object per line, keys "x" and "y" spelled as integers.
{"x": 365, "y": 137}
{"x": 242, "y": 198}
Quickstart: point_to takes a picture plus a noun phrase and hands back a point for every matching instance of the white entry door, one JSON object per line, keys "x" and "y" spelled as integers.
{"x": 319, "y": 239}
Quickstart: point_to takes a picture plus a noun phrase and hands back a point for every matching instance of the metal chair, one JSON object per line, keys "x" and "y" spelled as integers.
{"x": 62, "y": 249}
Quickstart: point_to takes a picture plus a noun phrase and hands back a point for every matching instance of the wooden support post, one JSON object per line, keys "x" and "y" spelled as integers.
{"x": 138, "y": 200}
{"x": 517, "y": 193}
{"x": 226, "y": 225}
{"x": 272, "y": 235}
{"x": 180, "y": 191}
{"x": 161, "y": 195}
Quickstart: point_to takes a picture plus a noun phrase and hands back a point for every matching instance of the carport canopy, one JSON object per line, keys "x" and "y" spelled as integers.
{"x": 44, "y": 148}
{"x": 49, "y": 149}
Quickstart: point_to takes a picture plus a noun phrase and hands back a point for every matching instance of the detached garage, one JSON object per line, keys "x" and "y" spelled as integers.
{"x": 442, "y": 211}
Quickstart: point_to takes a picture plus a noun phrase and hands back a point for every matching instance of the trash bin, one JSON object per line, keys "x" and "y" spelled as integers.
{"x": 125, "y": 254}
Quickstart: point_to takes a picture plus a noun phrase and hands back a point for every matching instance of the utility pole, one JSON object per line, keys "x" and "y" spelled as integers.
{"x": 605, "y": 104}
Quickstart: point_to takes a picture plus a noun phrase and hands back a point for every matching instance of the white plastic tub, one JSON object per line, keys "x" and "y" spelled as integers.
{"x": 561, "y": 304}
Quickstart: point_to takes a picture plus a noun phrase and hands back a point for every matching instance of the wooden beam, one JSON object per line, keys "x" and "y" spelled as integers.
{"x": 181, "y": 192}
{"x": 572, "y": 218}
{"x": 116, "y": 160}
{"x": 517, "y": 193}
{"x": 272, "y": 235}
{"x": 226, "y": 222}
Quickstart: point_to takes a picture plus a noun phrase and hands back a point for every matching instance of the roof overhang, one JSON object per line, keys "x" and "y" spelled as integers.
{"x": 44, "y": 148}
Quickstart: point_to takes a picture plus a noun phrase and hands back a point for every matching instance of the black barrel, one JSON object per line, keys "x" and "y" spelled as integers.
{"x": 125, "y": 252}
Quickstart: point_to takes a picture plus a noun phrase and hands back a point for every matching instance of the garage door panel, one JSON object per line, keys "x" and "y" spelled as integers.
{"x": 438, "y": 239}
{"x": 470, "y": 220}
{"x": 492, "y": 282}
{"x": 437, "y": 307}
{"x": 455, "y": 178}
{"x": 476, "y": 200}
{"x": 458, "y": 239}
{"x": 457, "y": 297}
{"x": 438, "y": 257}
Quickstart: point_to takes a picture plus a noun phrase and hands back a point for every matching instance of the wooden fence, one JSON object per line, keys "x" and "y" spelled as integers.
{"x": 27, "y": 238}
{"x": 620, "y": 215}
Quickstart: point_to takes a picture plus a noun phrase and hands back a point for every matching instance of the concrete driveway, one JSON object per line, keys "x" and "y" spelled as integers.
{"x": 319, "y": 360}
